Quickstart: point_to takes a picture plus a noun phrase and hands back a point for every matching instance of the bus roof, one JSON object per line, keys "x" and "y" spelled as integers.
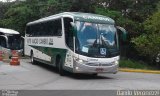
{"x": 8, "y": 31}
{"x": 86, "y": 17}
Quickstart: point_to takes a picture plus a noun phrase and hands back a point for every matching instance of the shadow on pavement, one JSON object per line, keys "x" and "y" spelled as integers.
{"x": 77, "y": 76}
{"x": 86, "y": 76}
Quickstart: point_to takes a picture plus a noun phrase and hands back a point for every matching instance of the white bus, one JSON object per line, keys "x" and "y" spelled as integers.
{"x": 75, "y": 42}
{"x": 10, "y": 40}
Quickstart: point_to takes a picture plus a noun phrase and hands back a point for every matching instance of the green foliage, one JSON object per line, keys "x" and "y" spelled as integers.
{"x": 116, "y": 15}
{"x": 55, "y": 6}
{"x": 108, "y": 13}
{"x": 3, "y": 8}
{"x": 131, "y": 26}
{"x": 134, "y": 15}
{"x": 17, "y": 16}
{"x": 83, "y": 5}
{"x": 152, "y": 24}
{"x": 149, "y": 44}
{"x": 134, "y": 64}
{"x": 158, "y": 6}
{"x": 131, "y": 64}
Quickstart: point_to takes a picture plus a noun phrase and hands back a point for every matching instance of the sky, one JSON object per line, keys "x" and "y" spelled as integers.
{"x": 10, "y": 0}
{"x": 7, "y": 0}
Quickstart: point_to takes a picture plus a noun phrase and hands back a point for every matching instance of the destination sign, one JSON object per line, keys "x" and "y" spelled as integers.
{"x": 96, "y": 18}
{"x": 40, "y": 41}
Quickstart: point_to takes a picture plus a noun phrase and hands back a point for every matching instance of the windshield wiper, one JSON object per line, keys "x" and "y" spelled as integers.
{"x": 95, "y": 44}
{"x": 104, "y": 43}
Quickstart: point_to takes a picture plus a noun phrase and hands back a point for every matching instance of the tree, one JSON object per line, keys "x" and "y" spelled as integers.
{"x": 148, "y": 44}
{"x": 3, "y": 8}
{"x": 129, "y": 14}
{"x": 18, "y": 15}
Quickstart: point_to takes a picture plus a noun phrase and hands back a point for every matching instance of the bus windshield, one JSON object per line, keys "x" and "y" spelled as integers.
{"x": 96, "y": 40}
{"x": 14, "y": 42}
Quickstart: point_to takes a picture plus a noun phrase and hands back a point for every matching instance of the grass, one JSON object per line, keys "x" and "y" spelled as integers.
{"x": 127, "y": 63}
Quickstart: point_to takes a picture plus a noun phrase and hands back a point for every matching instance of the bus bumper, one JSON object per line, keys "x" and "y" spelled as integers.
{"x": 83, "y": 68}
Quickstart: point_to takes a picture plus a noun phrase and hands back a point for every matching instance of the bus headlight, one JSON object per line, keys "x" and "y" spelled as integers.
{"x": 80, "y": 61}
{"x": 116, "y": 62}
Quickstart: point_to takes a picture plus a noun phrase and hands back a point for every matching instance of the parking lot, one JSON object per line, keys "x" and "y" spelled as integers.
{"x": 44, "y": 77}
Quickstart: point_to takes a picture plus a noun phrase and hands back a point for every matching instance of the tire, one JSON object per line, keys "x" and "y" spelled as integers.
{"x": 60, "y": 67}
{"x": 95, "y": 74}
{"x": 32, "y": 58}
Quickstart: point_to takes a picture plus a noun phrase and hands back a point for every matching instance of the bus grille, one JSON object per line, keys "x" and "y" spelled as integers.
{"x": 100, "y": 64}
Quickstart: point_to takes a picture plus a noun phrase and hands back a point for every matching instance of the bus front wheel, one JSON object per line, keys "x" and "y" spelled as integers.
{"x": 60, "y": 66}
{"x": 95, "y": 74}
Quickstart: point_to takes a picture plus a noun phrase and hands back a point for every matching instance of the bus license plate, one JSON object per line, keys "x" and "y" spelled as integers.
{"x": 99, "y": 69}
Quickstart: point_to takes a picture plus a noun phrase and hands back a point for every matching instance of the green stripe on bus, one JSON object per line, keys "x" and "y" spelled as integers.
{"x": 52, "y": 52}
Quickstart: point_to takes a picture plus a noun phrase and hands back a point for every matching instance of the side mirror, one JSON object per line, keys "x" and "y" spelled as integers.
{"x": 123, "y": 33}
{"x": 73, "y": 24}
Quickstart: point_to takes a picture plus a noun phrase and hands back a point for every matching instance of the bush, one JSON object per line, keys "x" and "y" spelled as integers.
{"x": 148, "y": 44}
{"x": 134, "y": 64}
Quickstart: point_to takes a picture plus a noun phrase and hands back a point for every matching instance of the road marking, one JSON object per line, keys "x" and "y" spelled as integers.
{"x": 139, "y": 70}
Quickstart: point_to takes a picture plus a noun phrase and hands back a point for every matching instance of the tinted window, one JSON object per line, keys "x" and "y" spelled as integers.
{"x": 14, "y": 42}
{"x": 68, "y": 32}
{"x": 3, "y": 42}
{"x": 48, "y": 28}
{"x": 1, "y": 33}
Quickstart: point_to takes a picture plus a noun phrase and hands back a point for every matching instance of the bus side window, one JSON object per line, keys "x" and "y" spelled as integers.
{"x": 28, "y": 33}
{"x": 41, "y": 31}
{"x": 31, "y": 31}
{"x": 48, "y": 28}
{"x": 38, "y": 30}
{"x": 58, "y": 27}
{"x": 51, "y": 28}
{"x": 68, "y": 32}
{"x": 34, "y": 30}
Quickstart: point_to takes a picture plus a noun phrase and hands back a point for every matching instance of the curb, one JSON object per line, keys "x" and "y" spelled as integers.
{"x": 139, "y": 70}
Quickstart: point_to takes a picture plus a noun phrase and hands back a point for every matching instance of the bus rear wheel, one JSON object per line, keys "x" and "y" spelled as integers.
{"x": 32, "y": 58}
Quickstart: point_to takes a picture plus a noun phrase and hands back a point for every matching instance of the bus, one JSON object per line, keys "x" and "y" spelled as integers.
{"x": 75, "y": 42}
{"x": 11, "y": 40}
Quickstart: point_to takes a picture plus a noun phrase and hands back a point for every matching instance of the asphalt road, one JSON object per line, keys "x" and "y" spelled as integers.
{"x": 43, "y": 77}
